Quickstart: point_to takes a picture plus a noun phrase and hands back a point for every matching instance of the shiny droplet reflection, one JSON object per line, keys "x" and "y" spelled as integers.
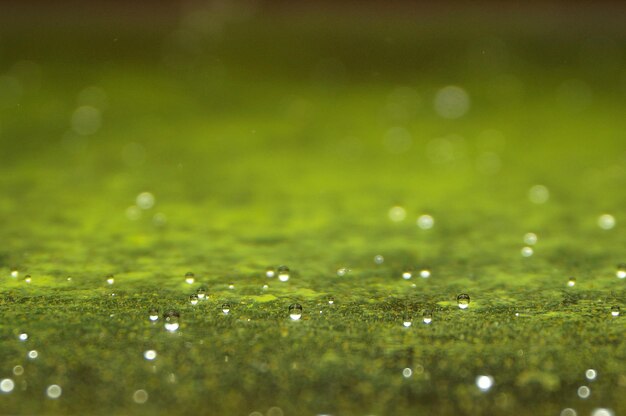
{"x": 621, "y": 271}
{"x": 428, "y": 317}
{"x": 283, "y": 273}
{"x": 171, "y": 320}
{"x": 295, "y": 311}
{"x": 615, "y": 310}
{"x": 571, "y": 282}
{"x": 463, "y": 300}
{"x": 153, "y": 315}
{"x": 190, "y": 278}
{"x": 225, "y": 308}
{"x": 193, "y": 299}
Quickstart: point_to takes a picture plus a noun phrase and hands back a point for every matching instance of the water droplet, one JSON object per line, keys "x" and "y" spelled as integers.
{"x": 484, "y": 383}
{"x": 54, "y": 391}
{"x": 425, "y": 222}
{"x": 33, "y": 354}
{"x": 283, "y": 273}
{"x": 407, "y": 372}
{"x": 407, "y": 275}
{"x": 265, "y": 287}
{"x": 295, "y": 311}
{"x": 379, "y": 259}
{"x": 342, "y": 271}
{"x": 7, "y": 385}
{"x": 538, "y": 194}
{"x": 428, "y": 317}
{"x": 150, "y": 355}
{"x": 584, "y": 392}
{"x": 193, "y": 299}
{"x": 201, "y": 293}
{"x": 397, "y": 214}
{"x": 27, "y": 278}
{"x": 225, "y": 308}
{"x": 110, "y": 279}
{"x": 331, "y": 300}
{"x": 606, "y": 221}
{"x": 568, "y": 411}
{"x": 591, "y": 374}
{"x": 621, "y": 271}
{"x": 407, "y": 320}
{"x": 145, "y": 200}
{"x": 18, "y": 370}
{"x": 615, "y": 310}
{"x": 15, "y": 273}
{"x": 190, "y": 278}
{"x": 153, "y": 315}
{"x": 231, "y": 286}
{"x": 527, "y": 251}
{"x": 530, "y": 239}
{"x": 601, "y": 411}
{"x": 463, "y": 300}
{"x": 23, "y": 336}
{"x": 571, "y": 282}
{"x": 140, "y": 396}
{"x": 425, "y": 273}
{"x": 171, "y": 319}
{"x": 270, "y": 272}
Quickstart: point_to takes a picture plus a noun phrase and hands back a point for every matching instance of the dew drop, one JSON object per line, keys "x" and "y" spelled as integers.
{"x": 171, "y": 319}
{"x": 153, "y": 315}
{"x": 270, "y": 272}
{"x": 538, "y": 194}
{"x": 571, "y": 282}
{"x": 18, "y": 370}
{"x": 397, "y": 214}
{"x": 225, "y": 308}
{"x": 484, "y": 383}
{"x": 428, "y": 317}
{"x": 201, "y": 293}
{"x": 23, "y": 336}
{"x": 425, "y": 222}
{"x": 54, "y": 391}
{"x": 295, "y": 311}
{"x": 606, "y": 221}
{"x": 530, "y": 239}
{"x": 110, "y": 279}
{"x": 591, "y": 374}
{"x": 378, "y": 259}
{"x": 615, "y": 310}
{"x": 331, "y": 300}
{"x": 463, "y": 300}
{"x": 425, "y": 273}
{"x": 193, "y": 299}
{"x": 621, "y": 271}
{"x": 527, "y": 251}
{"x": 145, "y": 200}
{"x": 14, "y": 273}
{"x": 584, "y": 392}
{"x": 7, "y": 385}
{"x": 407, "y": 373}
{"x": 407, "y": 275}
{"x": 140, "y": 396}
{"x": 407, "y": 320}
{"x": 231, "y": 286}
{"x": 342, "y": 271}
{"x": 190, "y": 278}
{"x": 32, "y": 354}
{"x": 150, "y": 355}
{"x": 27, "y": 278}
{"x": 283, "y": 273}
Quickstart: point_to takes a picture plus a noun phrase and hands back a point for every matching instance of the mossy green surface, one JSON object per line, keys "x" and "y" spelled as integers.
{"x": 269, "y": 144}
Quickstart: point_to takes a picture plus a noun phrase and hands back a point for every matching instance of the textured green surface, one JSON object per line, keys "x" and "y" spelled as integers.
{"x": 265, "y": 145}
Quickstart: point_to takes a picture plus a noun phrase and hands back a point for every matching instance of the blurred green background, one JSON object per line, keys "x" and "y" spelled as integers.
{"x": 150, "y": 140}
